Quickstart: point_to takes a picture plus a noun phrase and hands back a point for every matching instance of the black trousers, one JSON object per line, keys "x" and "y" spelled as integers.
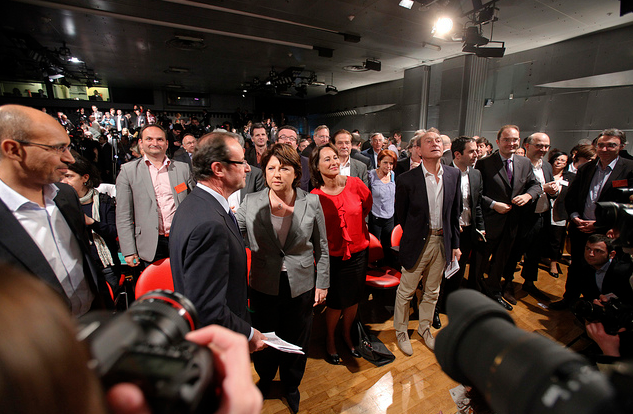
{"x": 573, "y": 285}
{"x": 291, "y": 319}
{"x": 534, "y": 244}
{"x": 469, "y": 256}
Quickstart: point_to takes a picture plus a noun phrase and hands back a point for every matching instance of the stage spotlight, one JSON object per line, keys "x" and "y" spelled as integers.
{"x": 407, "y": 4}
{"x": 442, "y": 26}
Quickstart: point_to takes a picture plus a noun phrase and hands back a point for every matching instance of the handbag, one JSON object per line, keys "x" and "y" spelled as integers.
{"x": 371, "y": 348}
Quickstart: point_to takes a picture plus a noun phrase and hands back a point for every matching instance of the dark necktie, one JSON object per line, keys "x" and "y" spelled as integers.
{"x": 509, "y": 169}
{"x": 234, "y": 219}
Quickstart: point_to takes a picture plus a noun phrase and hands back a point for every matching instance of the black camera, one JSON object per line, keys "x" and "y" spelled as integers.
{"x": 146, "y": 346}
{"x": 610, "y": 215}
{"x": 520, "y": 372}
{"x": 614, "y": 315}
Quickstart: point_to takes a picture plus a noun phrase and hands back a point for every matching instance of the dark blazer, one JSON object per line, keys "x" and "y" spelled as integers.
{"x": 251, "y": 156}
{"x": 304, "y": 252}
{"x": 412, "y": 211}
{"x": 579, "y": 189}
{"x": 558, "y": 210}
{"x": 403, "y": 166}
{"x": 615, "y": 281}
{"x": 356, "y": 154}
{"x": 369, "y": 153}
{"x": 548, "y": 175}
{"x": 476, "y": 192}
{"x": 182, "y": 156}
{"x": 496, "y": 187}
{"x": 18, "y": 248}
{"x": 208, "y": 262}
{"x": 447, "y": 157}
{"x": 254, "y": 182}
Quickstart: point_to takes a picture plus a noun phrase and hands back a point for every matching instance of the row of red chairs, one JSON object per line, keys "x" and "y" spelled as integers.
{"x": 158, "y": 274}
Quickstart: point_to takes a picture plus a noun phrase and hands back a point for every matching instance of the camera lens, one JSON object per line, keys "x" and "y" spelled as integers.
{"x": 518, "y": 372}
{"x": 172, "y": 314}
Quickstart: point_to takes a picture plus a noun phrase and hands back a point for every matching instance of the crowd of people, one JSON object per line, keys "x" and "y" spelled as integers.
{"x": 305, "y": 208}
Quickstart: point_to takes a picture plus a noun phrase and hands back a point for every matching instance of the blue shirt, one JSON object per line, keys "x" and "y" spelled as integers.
{"x": 384, "y": 195}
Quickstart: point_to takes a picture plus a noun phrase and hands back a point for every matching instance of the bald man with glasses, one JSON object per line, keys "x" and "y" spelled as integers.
{"x": 43, "y": 226}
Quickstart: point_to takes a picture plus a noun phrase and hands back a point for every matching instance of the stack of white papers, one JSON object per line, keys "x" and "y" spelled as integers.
{"x": 276, "y": 342}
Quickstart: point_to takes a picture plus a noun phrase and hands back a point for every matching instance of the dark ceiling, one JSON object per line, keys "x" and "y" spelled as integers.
{"x": 133, "y": 44}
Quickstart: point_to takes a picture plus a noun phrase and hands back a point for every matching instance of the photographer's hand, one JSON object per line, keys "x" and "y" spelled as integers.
{"x": 610, "y": 344}
{"x": 233, "y": 367}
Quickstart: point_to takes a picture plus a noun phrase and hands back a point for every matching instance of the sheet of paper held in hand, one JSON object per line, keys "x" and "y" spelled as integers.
{"x": 276, "y": 342}
{"x": 451, "y": 269}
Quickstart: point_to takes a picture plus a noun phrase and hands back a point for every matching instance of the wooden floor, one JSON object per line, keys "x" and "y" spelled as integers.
{"x": 413, "y": 384}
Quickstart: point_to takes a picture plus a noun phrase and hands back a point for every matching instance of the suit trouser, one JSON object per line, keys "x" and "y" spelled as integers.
{"x": 533, "y": 244}
{"x": 573, "y": 285}
{"x": 500, "y": 248}
{"x": 429, "y": 267}
{"x": 466, "y": 244}
{"x": 291, "y": 319}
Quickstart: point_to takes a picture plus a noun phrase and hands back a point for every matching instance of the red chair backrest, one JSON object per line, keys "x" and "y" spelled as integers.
{"x": 375, "y": 249}
{"x": 155, "y": 276}
{"x": 396, "y": 235}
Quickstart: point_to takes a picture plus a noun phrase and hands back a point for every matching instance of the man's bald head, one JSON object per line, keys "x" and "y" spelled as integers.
{"x": 16, "y": 121}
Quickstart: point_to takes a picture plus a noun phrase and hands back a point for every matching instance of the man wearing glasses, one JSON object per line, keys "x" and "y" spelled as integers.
{"x": 596, "y": 181}
{"x": 536, "y": 219}
{"x": 148, "y": 192}
{"x": 43, "y": 227}
{"x": 509, "y": 185}
{"x": 207, "y": 252}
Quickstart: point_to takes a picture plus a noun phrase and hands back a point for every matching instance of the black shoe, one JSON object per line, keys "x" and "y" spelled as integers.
{"x": 502, "y": 302}
{"x": 534, "y": 291}
{"x": 355, "y": 353}
{"x": 333, "y": 359}
{"x": 437, "y": 323}
{"x": 559, "y": 305}
{"x": 508, "y": 295}
{"x": 293, "y": 397}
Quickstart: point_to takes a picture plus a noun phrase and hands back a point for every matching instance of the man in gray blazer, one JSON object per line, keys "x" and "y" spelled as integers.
{"x": 351, "y": 167}
{"x": 149, "y": 190}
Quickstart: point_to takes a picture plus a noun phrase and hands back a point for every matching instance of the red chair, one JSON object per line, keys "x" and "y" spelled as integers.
{"x": 155, "y": 276}
{"x": 396, "y": 235}
{"x": 380, "y": 277}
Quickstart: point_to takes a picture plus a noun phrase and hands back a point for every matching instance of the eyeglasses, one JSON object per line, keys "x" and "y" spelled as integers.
{"x": 541, "y": 146}
{"x": 513, "y": 140}
{"x": 286, "y": 137}
{"x": 243, "y": 162}
{"x": 609, "y": 145}
{"x": 59, "y": 149}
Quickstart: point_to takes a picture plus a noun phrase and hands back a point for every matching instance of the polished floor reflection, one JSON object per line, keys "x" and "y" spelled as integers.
{"x": 413, "y": 384}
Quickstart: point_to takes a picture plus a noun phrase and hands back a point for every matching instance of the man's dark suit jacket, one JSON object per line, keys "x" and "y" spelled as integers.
{"x": 579, "y": 189}
{"x": 476, "y": 191}
{"x": 615, "y": 281}
{"x": 182, "y": 156}
{"x": 18, "y": 248}
{"x": 402, "y": 166}
{"x": 356, "y": 154}
{"x": 412, "y": 211}
{"x": 208, "y": 261}
{"x": 498, "y": 188}
{"x": 254, "y": 182}
{"x": 447, "y": 157}
{"x": 549, "y": 177}
{"x": 251, "y": 156}
{"x": 558, "y": 209}
{"x": 369, "y": 153}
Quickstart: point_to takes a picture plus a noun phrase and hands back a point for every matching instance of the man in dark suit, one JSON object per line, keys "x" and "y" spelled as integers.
{"x": 447, "y": 155}
{"x": 342, "y": 140}
{"x": 185, "y": 153}
{"x": 509, "y": 185}
{"x": 604, "y": 271}
{"x": 355, "y": 151}
{"x": 208, "y": 256}
{"x": 377, "y": 141}
{"x": 471, "y": 219}
{"x": 120, "y": 121}
{"x": 259, "y": 135}
{"x": 43, "y": 227}
{"x": 428, "y": 205}
{"x": 412, "y": 161}
{"x": 534, "y": 231}
{"x": 596, "y": 181}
